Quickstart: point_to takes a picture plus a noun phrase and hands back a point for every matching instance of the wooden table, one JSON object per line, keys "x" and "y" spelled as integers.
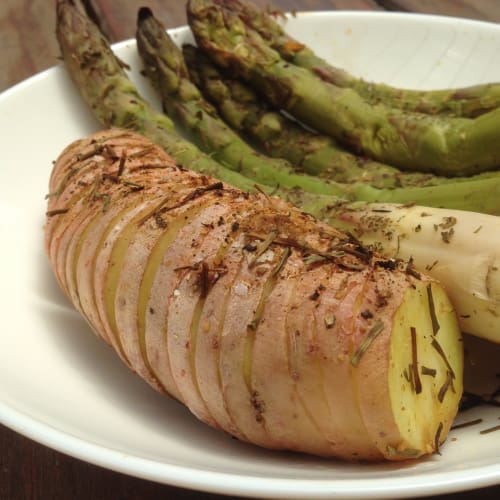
{"x": 30, "y": 471}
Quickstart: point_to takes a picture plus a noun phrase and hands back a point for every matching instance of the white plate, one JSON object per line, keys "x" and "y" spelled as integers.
{"x": 62, "y": 387}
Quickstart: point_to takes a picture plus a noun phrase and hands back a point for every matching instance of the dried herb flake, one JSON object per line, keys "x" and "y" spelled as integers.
{"x": 490, "y": 429}
{"x": 437, "y": 438}
{"x": 370, "y": 337}
{"x": 432, "y": 310}
{"x": 414, "y": 366}
{"x": 466, "y": 424}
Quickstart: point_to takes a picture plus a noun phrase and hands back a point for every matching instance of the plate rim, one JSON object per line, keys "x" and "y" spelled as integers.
{"x": 232, "y": 483}
{"x": 221, "y": 482}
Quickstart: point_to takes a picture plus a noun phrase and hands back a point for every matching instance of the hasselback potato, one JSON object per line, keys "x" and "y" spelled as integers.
{"x": 264, "y": 322}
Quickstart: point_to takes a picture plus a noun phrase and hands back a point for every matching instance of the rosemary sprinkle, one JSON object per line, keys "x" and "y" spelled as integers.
{"x": 370, "y": 337}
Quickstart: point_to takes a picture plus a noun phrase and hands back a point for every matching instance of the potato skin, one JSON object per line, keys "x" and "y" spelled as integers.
{"x": 243, "y": 308}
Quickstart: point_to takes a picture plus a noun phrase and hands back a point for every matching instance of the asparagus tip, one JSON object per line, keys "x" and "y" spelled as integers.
{"x": 143, "y": 14}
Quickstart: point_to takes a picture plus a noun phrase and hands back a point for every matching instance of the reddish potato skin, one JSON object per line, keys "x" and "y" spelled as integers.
{"x": 238, "y": 305}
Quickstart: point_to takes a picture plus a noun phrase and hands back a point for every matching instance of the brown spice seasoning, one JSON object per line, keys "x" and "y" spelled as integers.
{"x": 258, "y": 406}
{"x": 382, "y": 297}
{"x": 366, "y": 314}
{"x": 446, "y": 235}
{"x": 160, "y": 221}
{"x": 390, "y": 264}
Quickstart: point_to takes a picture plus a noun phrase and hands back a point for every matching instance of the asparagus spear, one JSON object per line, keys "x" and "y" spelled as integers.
{"x": 280, "y": 136}
{"x": 115, "y": 101}
{"x": 411, "y": 141}
{"x": 164, "y": 64}
{"x": 182, "y": 100}
{"x": 469, "y": 101}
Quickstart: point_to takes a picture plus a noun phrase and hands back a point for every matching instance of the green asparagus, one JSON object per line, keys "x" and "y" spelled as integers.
{"x": 410, "y": 141}
{"x": 468, "y": 102}
{"x": 164, "y": 64}
{"x": 115, "y": 101}
{"x": 278, "y": 135}
{"x": 166, "y": 67}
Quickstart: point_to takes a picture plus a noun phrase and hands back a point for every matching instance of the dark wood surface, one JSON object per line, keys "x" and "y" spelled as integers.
{"x": 28, "y": 470}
